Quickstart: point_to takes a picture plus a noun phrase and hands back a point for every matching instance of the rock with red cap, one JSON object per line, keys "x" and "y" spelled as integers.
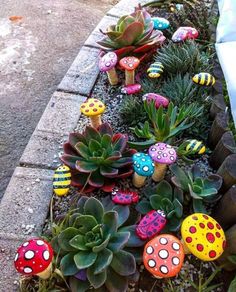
{"x": 107, "y": 64}
{"x": 184, "y": 33}
{"x": 151, "y": 224}
{"x": 129, "y": 64}
{"x": 158, "y": 99}
{"x": 163, "y": 256}
{"x": 162, "y": 154}
{"x": 34, "y": 257}
{"x": 124, "y": 197}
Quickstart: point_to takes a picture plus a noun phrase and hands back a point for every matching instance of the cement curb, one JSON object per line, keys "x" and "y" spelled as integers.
{"x": 24, "y": 206}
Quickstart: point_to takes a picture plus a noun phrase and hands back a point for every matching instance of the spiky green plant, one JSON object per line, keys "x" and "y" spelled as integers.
{"x": 95, "y": 246}
{"x": 163, "y": 197}
{"x": 183, "y": 58}
{"x": 132, "y": 33}
{"x": 97, "y": 157}
{"x": 167, "y": 3}
{"x": 164, "y": 124}
{"x": 200, "y": 190}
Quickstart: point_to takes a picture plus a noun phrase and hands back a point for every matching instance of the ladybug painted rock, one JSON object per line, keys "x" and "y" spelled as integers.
{"x": 151, "y": 224}
{"x": 124, "y": 197}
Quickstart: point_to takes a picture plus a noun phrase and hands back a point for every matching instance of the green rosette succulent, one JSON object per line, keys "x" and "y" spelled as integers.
{"x": 200, "y": 190}
{"x": 97, "y": 157}
{"x": 132, "y": 33}
{"x": 96, "y": 248}
{"x": 165, "y": 198}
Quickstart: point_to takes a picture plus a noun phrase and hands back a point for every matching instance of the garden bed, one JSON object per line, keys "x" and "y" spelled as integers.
{"x": 123, "y": 113}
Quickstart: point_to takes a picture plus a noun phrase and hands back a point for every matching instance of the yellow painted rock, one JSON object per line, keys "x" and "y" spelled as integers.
{"x": 62, "y": 180}
{"x": 204, "y": 79}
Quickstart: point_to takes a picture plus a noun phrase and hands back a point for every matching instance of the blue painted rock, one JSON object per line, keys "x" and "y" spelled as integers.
{"x": 160, "y": 23}
{"x": 184, "y": 33}
{"x": 155, "y": 70}
{"x": 124, "y": 197}
{"x": 61, "y": 180}
{"x": 151, "y": 224}
{"x": 204, "y": 79}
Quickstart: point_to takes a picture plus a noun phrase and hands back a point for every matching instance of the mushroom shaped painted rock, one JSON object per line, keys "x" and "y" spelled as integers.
{"x": 151, "y": 224}
{"x": 162, "y": 154}
{"x": 107, "y": 64}
{"x": 34, "y": 257}
{"x": 129, "y": 64}
{"x": 143, "y": 167}
{"x": 203, "y": 237}
{"x": 163, "y": 256}
{"x": 124, "y": 197}
{"x": 93, "y": 108}
{"x": 131, "y": 89}
{"x": 160, "y": 23}
{"x": 155, "y": 70}
{"x": 204, "y": 79}
{"x": 61, "y": 180}
{"x": 158, "y": 99}
{"x": 184, "y": 33}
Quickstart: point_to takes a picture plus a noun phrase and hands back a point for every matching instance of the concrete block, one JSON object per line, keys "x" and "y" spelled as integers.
{"x": 61, "y": 114}
{"x": 124, "y": 7}
{"x": 92, "y": 40}
{"x": 25, "y": 204}
{"x": 83, "y": 73}
{"x": 43, "y": 150}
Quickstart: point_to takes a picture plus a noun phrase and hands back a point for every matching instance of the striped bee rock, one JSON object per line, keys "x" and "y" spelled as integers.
{"x": 204, "y": 79}
{"x": 195, "y": 146}
{"x": 124, "y": 197}
{"x": 62, "y": 180}
{"x": 155, "y": 70}
{"x": 151, "y": 224}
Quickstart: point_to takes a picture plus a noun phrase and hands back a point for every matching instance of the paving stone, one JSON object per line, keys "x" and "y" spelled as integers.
{"x": 124, "y": 7}
{"x": 61, "y": 114}
{"x": 83, "y": 73}
{"x": 43, "y": 150}
{"x": 92, "y": 40}
{"x": 25, "y": 204}
{"x": 9, "y": 278}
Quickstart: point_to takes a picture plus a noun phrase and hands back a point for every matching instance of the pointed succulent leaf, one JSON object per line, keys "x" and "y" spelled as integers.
{"x": 123, "y": 263}
{"x": 108, "y": 171}
{"x": 174, "y": 224}
{"x": 94, "y": 145}
{"x": 196, "y": 189}
{"x": 130, "y": 34}
{"x": 94, "y": 207}
{"x": 214, "y": 181}
{"x": 193, "y": 194}
{"x": 83, "y": 150}
{"x": 96, "y": 179}
{"x": 106, "y": 141}
{"x": 167, "y": 205}
{"x": 164, "y": 189}
{"x": 92, "y": 133}
{"x": 181, "y": 179}
{"x": 126, "y": 22}
{"x": 122, "y": 162}
{"x": 103, "y": 260}
{"x": 142, "y": 145}
{"x": 68, "y": 266}
{"x": 103, "y": 245}
{"x": 74, "y": 138}
{"x": 80, "y": 204}
{"x": 134, "y": 240}
{"x": 208, "y": 192}
{"x": 84, "y": 259}
{"x": 198, "y": 206}
{"x": 178, "y": 208}
{"x": 64, "y": 238}
{"x": 78, "y": 242}
{"x": 196, "y": 172}
{"x": 87, "y": 223}
{"x": 144, "y": 207}
{"x": 178, "y": 194}
{"x": 105, "y": 128}
{"x": 69, "y": 160}
{"x": 107, "y": 43}
{"x": 123, "y": 214}
{"x": 115, "y": 282}
{"x": 156, "y": 201}
{"x": 77, "y": 285}
{"x": 86, "y": 166}
{"x": 120, "y": 144}
{"x": 118, "y": 241}
{"x": 110, "y": 222}
{"x": 96, "y": 280}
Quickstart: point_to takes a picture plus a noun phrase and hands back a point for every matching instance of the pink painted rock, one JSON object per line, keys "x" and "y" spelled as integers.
{"x": 108, "y": 62}
{"x": 162, "y": 153}
{"x": 159, "y": 99}
{"x": 131, "y": 89}
{"x": 184, "y": 33}
{"x": 151, "y": 224}
{"x": 124, "y": 197}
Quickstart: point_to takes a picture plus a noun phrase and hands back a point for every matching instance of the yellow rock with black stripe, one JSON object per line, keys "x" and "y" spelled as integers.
{"x": 155, "y": 70}
{"x": 204, "y": 79}
{"x": 195, "y": 146}
{"x": 61, "y": 180}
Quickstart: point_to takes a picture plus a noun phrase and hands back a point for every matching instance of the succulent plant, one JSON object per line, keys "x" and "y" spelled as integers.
{"x": 97, "y": 157}
{"x": 163, "y": 197}
{"x": 132, "y": 33}
{"x": 164, "y": 125}
{"x": 201, "y": 190}
{"x": 95, "y": 246}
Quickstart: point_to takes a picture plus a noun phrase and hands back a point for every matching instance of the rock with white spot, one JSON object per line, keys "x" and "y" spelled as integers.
{"x": 160, "y": 23}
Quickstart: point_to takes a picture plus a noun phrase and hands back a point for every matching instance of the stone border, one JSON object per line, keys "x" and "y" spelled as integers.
{"x": 24, "y": 206}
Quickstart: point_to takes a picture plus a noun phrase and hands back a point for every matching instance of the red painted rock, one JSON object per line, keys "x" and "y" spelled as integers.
{"x": 124, "y": 197}
{"x": 184, "y": 33}
{"x": 151, "y": 224}
{"x": 131, "y": 88}
{"x": 159, "y": 99}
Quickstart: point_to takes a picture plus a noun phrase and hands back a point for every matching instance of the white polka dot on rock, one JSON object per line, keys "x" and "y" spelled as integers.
{"x": 46, "y": 255}
{"x": 27, "y": 270}
{"x": 26, "y": 243}
{"x": 145, "y": 168}
{"x": 16, "y": 257}
{"x": 150, "y": 250}
{"x": 29, "y": 254}
{"x": 151, "y": 263}
{"x": 175, "y": 261}
{"x": 164, "y": 269}
{"x": 163, "y": 254}
{"x": 163, "y": 240}
{"x": 175, "y": 246}
{"x": 40, "y": 242}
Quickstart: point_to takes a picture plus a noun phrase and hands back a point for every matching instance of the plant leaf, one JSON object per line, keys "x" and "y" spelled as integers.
{"x": 84, "y": 259}
{"x": 94, "y": 207}
{"x": 103, "y": 260}
{"x": 123, "y": 263}
{"x": 118, "y": 241}
{"x": 68, "y": 266}
{"x": 96, "y": 280}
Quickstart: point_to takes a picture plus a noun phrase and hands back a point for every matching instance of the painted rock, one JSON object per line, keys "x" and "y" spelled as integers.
{"x": 195, "y": 146}
{"x": 160, "y": 23}
{"x": 61, "y": 180}
{"x": 108, "y": 61}
{"x": 159, "y": 99}
{"x": 204, "y": 79}
{"x": 151, "y": 224}
{"x": 124, "y": 197}
{"x": 131, "y": 89}
{"x": 184, "y": 33}
{"x": 155, "y": 70}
